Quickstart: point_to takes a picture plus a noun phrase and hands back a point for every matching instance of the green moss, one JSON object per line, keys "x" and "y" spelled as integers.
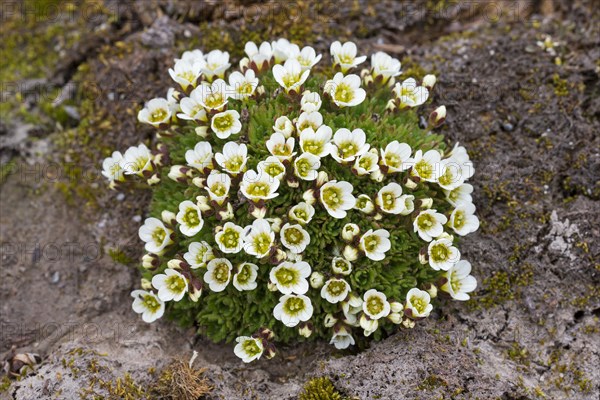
{"x": 432, "y": 382}
{"x": 320, "y": 389}
{"x": 120, "y": 257}
{"x": 5, "y": 383}
{"x": 503, "y": 286}
{"x": 518, "y": 354}
{"x": 561, "y": 86}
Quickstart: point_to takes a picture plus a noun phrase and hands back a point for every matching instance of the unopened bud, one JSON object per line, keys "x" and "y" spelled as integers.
{"x": 433, "y": 291}
{"x": 350, "y": 253}
{"x": 309, "y": 196}
{"x": 349, "y": 232}
{"x": 146, "y": 284}
{"x": 391, "y": 105}
{"x": 426, "y": 203}
{"x": 410, "y": 184}
{"x": 305, "y": 329}
{"x": 316, "y": 280}
{"x": 437, "y": 117}
{"x": 322, "y": 178}
{"x": 168, "y": 217}
{"x": 202, "y": 131}
{"x": 202, "y": 203}
{"x": 153, "y": 180}
{"x": 429, "y": 81}
{"x": 329, "y": 321}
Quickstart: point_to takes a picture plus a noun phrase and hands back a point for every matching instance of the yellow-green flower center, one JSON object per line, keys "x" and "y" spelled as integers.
{"x": 221, "y": 273}
{"x": 336, "y": 288}
{"x": 191, "y": 217}
{"x": 286, "y": 276}
{"x": 259, "y": 189}
{"x": 365, "y": 163}
{"x": 251, "y": 347}
{"x": 230, "y": 238}
{"x": 223, "y": 122}
{"x": 303, "y": 167}
{"x": 424, "y": 169}
{"x": 234, "y": 164}
{"x": 447, "y": 178}
{"x": 151, "y": 303}
{"x": 425, "y": 221}
{"x": 290, "y": 80}
{"x": 159, "y": 235}
{"x": 342, "y": 265}
{"x": 440, "y": 252}
{"x": 245, "y": 88}
{"x": 459, "y": 219}
{"x": 392, "y": 160}
{"x": 188, "y": 76}
{"x": 293, "y": 236}
{"x": 294, "y": 305}
{"x": 375, "y": 305}
{"x": 244, "y": 274}
{"x": 214, "y": 100}
{"x": 158, "y": 115}
{"x": 312, "y": 146}
{"x": 274, "y": 170}
{"x": 219, "y": 189}
{"x": 371, "y": 243}
{"x": 348, "y": 149}
{"x": 300, "y": 214}
{"x": 389, "y": 200}
{"x": 343, "y": 93}
{"x": 281, "y": 150}
{"x": 262, "y": 243}
{"x": 332, "y": 197}
{"x": 419, "y": 304}
{"x": 175, "y": 283}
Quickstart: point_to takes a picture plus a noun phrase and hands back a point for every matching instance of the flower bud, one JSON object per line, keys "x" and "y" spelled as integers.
{"x": 168, "y": 217}
{"x": 368, "y": 80}
{"x": 244, "y": 64}
{"x": 202, "y": 202}
{"x": 408, "y": 323}
{"x": 365, "y": 204}
{"x": 410, "y": 184}
{"x": 202, "y": 131}
{"x": 269, "y": 351}
{"x": 259, "y": 91}
{"x": 199, "y": 182}
{"x": 153, "y": 180}
{"x": 146, "y": 284}
{"x": 227, "y": 213}
{"x": 266, "y": 333}
{"x": 395, "y": 318}
{"x": 322, "y": 178}
{"x": 284, "y": 126}
{"x": 257, "y": 212}
{"x": 432, "y": 290}
{"x": 316, "y": 280}
{"x": 423, "y": 257}
{"x": 309, "y": 196}
{"x": 179, "y": 173}
{"x": 446, "y": 235}
{"x": 305, "y": 329}
{"x": 396, "y": 307}
{"x": 368, "y": 324}
{"x": 349, "y": 232}
{"x": 150, "y": 261}
{"x": 350, "y": 253}
{"x": 341, "y": 266}
{"x": 437, "y": 117}
{"x": 272, "y": 287}
{"x": 175, "y": 264}
{"x": 429, "y": 81}
{"x": 426, "y": 203}
{"x": 329, "y": 321}
{"x": 195, "y": 293}
{"x": 391, "y": 105}
{"x": 275, "y": 224}
{"x": 377, "y": 175}
{"x": 280, "y": 255}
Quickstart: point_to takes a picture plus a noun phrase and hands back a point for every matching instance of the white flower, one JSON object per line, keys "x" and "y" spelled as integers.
{"x": 306, "y": 166}
{"x": 217, "y": 62}
{"x": 459, "y": 283}
{"x": 260, "y": 56}
{"x": 344, "y": 55}
{"x": 284, "y": 126}
{"x": 248, "y": 348}
{"x": 310, "y": 102}
{"x": 111, "y": 167}
{"x": 429, "y": 224}
{"x": 290, "y": 75}
{"x": 218, "y": 274}
{"x": 244, "y": 85}
{"x": 389, "y": 199}
{"x": 461, "y": 194}
{"x": 345, "y": 91}
{"x": 426, "y": 165}
{"x": 258, "y": 238}
{"x": 367, "y": 163}
{"x": 337, "y": 198}
{"x": 375, "y": 304}
{"x": 192, "y": 108}
{"x": 429, "y": 81}
{"x": 335, "y": 290}
{"x": 548, "y": 45}
{"x": 375, "y": 244}
{"x": 349, "y": 145}
{"x": 233, "y": 158}
{"x": 308, "y": 58}
{"x": 302, "y": 213}
{"x": 230, "y": 239}
{"x": 226, "y": 123}
{"x": 410, "y": 93}
{"x": 294, "y": 237}
{"x": 155, "y": 235}
{"x": 409, "y": 204}
{"x": 157, "y": 112}
{"x": 137, "y": 160}
{"x": 396, "y": 156}
{"x": 293, "y": 309}
{"x": 384, "y": 66}
{"x": 316, "y": 143}
{"x": 171, "y": 285}
{"x": 341, "y": 266}
{"x": 342, "y": 339}
{"x": 291, "y": 277}
{"x": 418, "y": 303}
{"x": 273, "y": 167}
{"x": 193, "y": 56}
{"x": 186, "y": 73}
{"x": 212, "y": 96}
{"x": 364, "y": 204}
{"x": 316, "y": 280}
{"x": 306, "y": 120}
{"x": 201, "y": 157}
{"x": 217, "y": 186}
{"x": 198, "y": 255}
{"x": 245, "y": 277}
{"x": 256, "y": 187}
{"x": 442, "y": 255}
{"x": 189, "y": 218}
{"x": 451, "y": 174}
{"x": 284, "y": 50}
{"x": 462, "y": 220}
{"x": 281, "y": 147}
{"x": 350, "y": 231}
{"x": 148, "y": 304}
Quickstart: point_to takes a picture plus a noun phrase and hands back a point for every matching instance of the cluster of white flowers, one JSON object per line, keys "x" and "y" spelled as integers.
{"x": 298, "y": 148}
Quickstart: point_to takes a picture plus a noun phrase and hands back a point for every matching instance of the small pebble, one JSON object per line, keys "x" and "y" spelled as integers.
{"x": 507, "y": 127}
{"x": 120, "y": 197}
{"x": 137, "y": 218}
{"x": 55, "y": 278}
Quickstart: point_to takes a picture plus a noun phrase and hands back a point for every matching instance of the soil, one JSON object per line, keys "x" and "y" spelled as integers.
{"x": 532, "y": 330}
